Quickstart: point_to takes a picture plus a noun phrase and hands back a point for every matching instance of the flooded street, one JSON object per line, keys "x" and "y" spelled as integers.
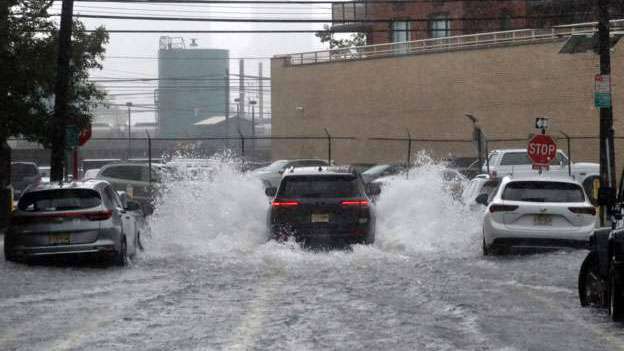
{"x": 208, "y": 280}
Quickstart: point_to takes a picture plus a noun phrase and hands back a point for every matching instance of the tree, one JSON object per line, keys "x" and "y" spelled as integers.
{"x": 327, "y": 36}
{"x": 31, "y": 71}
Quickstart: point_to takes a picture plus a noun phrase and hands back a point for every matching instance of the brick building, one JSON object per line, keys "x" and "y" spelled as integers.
{"x": 505, "y": 80}
{"x": 413, "y": 20}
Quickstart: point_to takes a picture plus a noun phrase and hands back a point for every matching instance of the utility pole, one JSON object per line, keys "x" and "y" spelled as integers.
{"x": 6, "y": 200}
{"x": 227, "y": 105}
{"x": 260, "y": 92}
{"x": 607, "y": 159}
{"x": 253, "y": 126}
{"x": 241, "y": 86}
{"x": 61, "y": 91}
{"x": 129, "y": 104}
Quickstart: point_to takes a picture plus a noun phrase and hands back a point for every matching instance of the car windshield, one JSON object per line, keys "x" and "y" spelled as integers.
{"x": 276, "y": 166}
{"x": 541, "y": 191}
{"x": 319, "y": 186}
{"x": 59, "y": 200}
{"x": 522, "y": 158}
{"x": 375, "y": 170}
{"x": 21, "y": 170}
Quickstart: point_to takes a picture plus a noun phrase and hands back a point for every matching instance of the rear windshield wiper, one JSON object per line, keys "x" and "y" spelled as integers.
{"x": 534, "y": 199}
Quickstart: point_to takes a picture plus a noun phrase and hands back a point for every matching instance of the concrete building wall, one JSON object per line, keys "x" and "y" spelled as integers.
{"x": 428, "y": 94}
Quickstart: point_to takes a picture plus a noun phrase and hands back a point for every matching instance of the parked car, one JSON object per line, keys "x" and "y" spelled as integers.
{"x": 44, "y": 171}
{"x": 537, "y": 212}
{"x": 23, "y": 175}
{"x": 133, "y": 178}
{"x": 73, "y": 218}
{"x": 96, "y": 163}
{"x": 271, "y": 175}
{"x": 326, "y": 206}
{"x": 503, "y": 162}
{"x": 383, "y": 170}
{"x": 476, "y": 187}
{"x": 91, "y": 174}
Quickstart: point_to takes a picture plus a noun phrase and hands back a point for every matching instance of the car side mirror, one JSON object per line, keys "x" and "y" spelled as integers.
{"x": 270, "y": 191}
{"x": 373, "y": 189}
{"x": 606, "y": 196}
{"x": 281, "y": 171}
{"x": 123, "y": 196}
{"x": 132, "y": 205}
{"x": 482, "y": 199}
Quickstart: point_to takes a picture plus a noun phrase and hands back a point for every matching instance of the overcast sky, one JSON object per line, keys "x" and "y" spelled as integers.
{"x": 123, "y": 45}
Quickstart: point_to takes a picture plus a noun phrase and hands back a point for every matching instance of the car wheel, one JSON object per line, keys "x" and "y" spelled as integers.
{"x": 589, "y": 289}
{"x": 615, "y": 297}
{"x": 121, "y": 257}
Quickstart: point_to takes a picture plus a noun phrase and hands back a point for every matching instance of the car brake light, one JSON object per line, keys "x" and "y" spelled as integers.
{"x": 583, "y": 210}
{"x": 502, "y": 208}
{"x": 99, "y": 216}
{"x": 278, "y": 203}
{"x": 362, "y": 203}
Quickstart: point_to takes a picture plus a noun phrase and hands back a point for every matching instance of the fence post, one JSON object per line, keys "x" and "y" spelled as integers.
{"x": 149, "y": 160}
{"x": 329, "y": 145}
{"x": 242, "y": 138}
{"x": 409, "y": 153}
{"x": 569, "y": 152}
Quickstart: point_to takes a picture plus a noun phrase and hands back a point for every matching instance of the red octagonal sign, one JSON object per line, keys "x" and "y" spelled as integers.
{"x": 542, "y": 150}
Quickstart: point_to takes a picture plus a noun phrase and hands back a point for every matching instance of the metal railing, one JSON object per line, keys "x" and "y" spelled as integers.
{"x": 458, "y": 42}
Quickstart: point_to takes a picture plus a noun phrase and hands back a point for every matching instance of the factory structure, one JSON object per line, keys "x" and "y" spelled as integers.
{"x": 193, "y": 86}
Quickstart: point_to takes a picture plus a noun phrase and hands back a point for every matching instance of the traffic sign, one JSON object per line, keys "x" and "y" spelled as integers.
{"x": 602, "y": 91}
{"x": 542, "y": 150}
{"x": 84, "y": 136}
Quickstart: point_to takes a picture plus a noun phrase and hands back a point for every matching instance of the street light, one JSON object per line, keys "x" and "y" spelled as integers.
{"x": 129, "y": 104}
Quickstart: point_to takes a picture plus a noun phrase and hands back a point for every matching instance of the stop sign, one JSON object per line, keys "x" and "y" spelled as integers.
{"x": 542, "y": 150}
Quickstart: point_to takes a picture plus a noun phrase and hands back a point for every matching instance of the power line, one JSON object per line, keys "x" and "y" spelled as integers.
{"x": 294, "y": 2}
{"x": 292, "y": 20}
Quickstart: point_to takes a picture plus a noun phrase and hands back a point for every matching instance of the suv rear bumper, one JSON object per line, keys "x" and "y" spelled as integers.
{"x": 103, "y": 247}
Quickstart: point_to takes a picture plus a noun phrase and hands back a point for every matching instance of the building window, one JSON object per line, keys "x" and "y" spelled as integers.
{"x": 440, "y": 26}
{"x": 400, "y": 31}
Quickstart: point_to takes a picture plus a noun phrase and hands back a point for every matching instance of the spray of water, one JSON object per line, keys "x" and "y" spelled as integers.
{"x": 206, "y": 208}
{"x": 418, "y": 214}
{"x": 224, "y": 210}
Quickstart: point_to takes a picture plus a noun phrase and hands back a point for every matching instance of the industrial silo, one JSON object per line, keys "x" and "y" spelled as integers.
{"x": 192, "y": 86}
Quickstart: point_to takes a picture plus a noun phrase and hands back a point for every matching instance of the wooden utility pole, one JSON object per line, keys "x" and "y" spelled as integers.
{"x": 61, "y": 91}
{"x": 608, "y": 178}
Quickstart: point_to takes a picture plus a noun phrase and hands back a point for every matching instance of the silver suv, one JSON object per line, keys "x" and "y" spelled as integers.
{"x": 75, "y": 218}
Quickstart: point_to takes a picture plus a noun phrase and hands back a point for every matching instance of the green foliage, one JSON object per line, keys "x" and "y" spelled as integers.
{"x": 327, "y": 36}
{"x": 31, "y": 70}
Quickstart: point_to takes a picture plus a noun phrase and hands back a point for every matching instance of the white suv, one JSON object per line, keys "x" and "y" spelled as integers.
{"x": 537, "y": 212}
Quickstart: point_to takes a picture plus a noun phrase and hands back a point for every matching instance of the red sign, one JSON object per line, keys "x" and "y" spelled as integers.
{"x": 85, "y": 135}
{"x": 542, "y": 150}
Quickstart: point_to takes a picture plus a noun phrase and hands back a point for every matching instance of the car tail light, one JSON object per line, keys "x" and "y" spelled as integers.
{"x": 349, "y": 203}
{"x": 583, "y": 210}
{"x": 99, "y": 216}
{"x": 502, "y": 208}
{"x": 278, "y": 203}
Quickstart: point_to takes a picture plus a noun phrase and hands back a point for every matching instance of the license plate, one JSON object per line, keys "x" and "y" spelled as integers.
{"x": 58, "y": 239}
{"x": 542, "y": 220}
{"x": 320, "y": 218}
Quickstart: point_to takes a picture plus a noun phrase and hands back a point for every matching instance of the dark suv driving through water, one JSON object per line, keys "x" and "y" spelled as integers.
{"x": 327, "y": 206}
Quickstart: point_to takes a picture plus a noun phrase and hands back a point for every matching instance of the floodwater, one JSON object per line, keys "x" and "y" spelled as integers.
{"x": 209, "y": 280}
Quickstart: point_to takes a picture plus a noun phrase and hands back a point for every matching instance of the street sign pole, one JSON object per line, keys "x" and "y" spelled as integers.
{"x": 607, "y": 162}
